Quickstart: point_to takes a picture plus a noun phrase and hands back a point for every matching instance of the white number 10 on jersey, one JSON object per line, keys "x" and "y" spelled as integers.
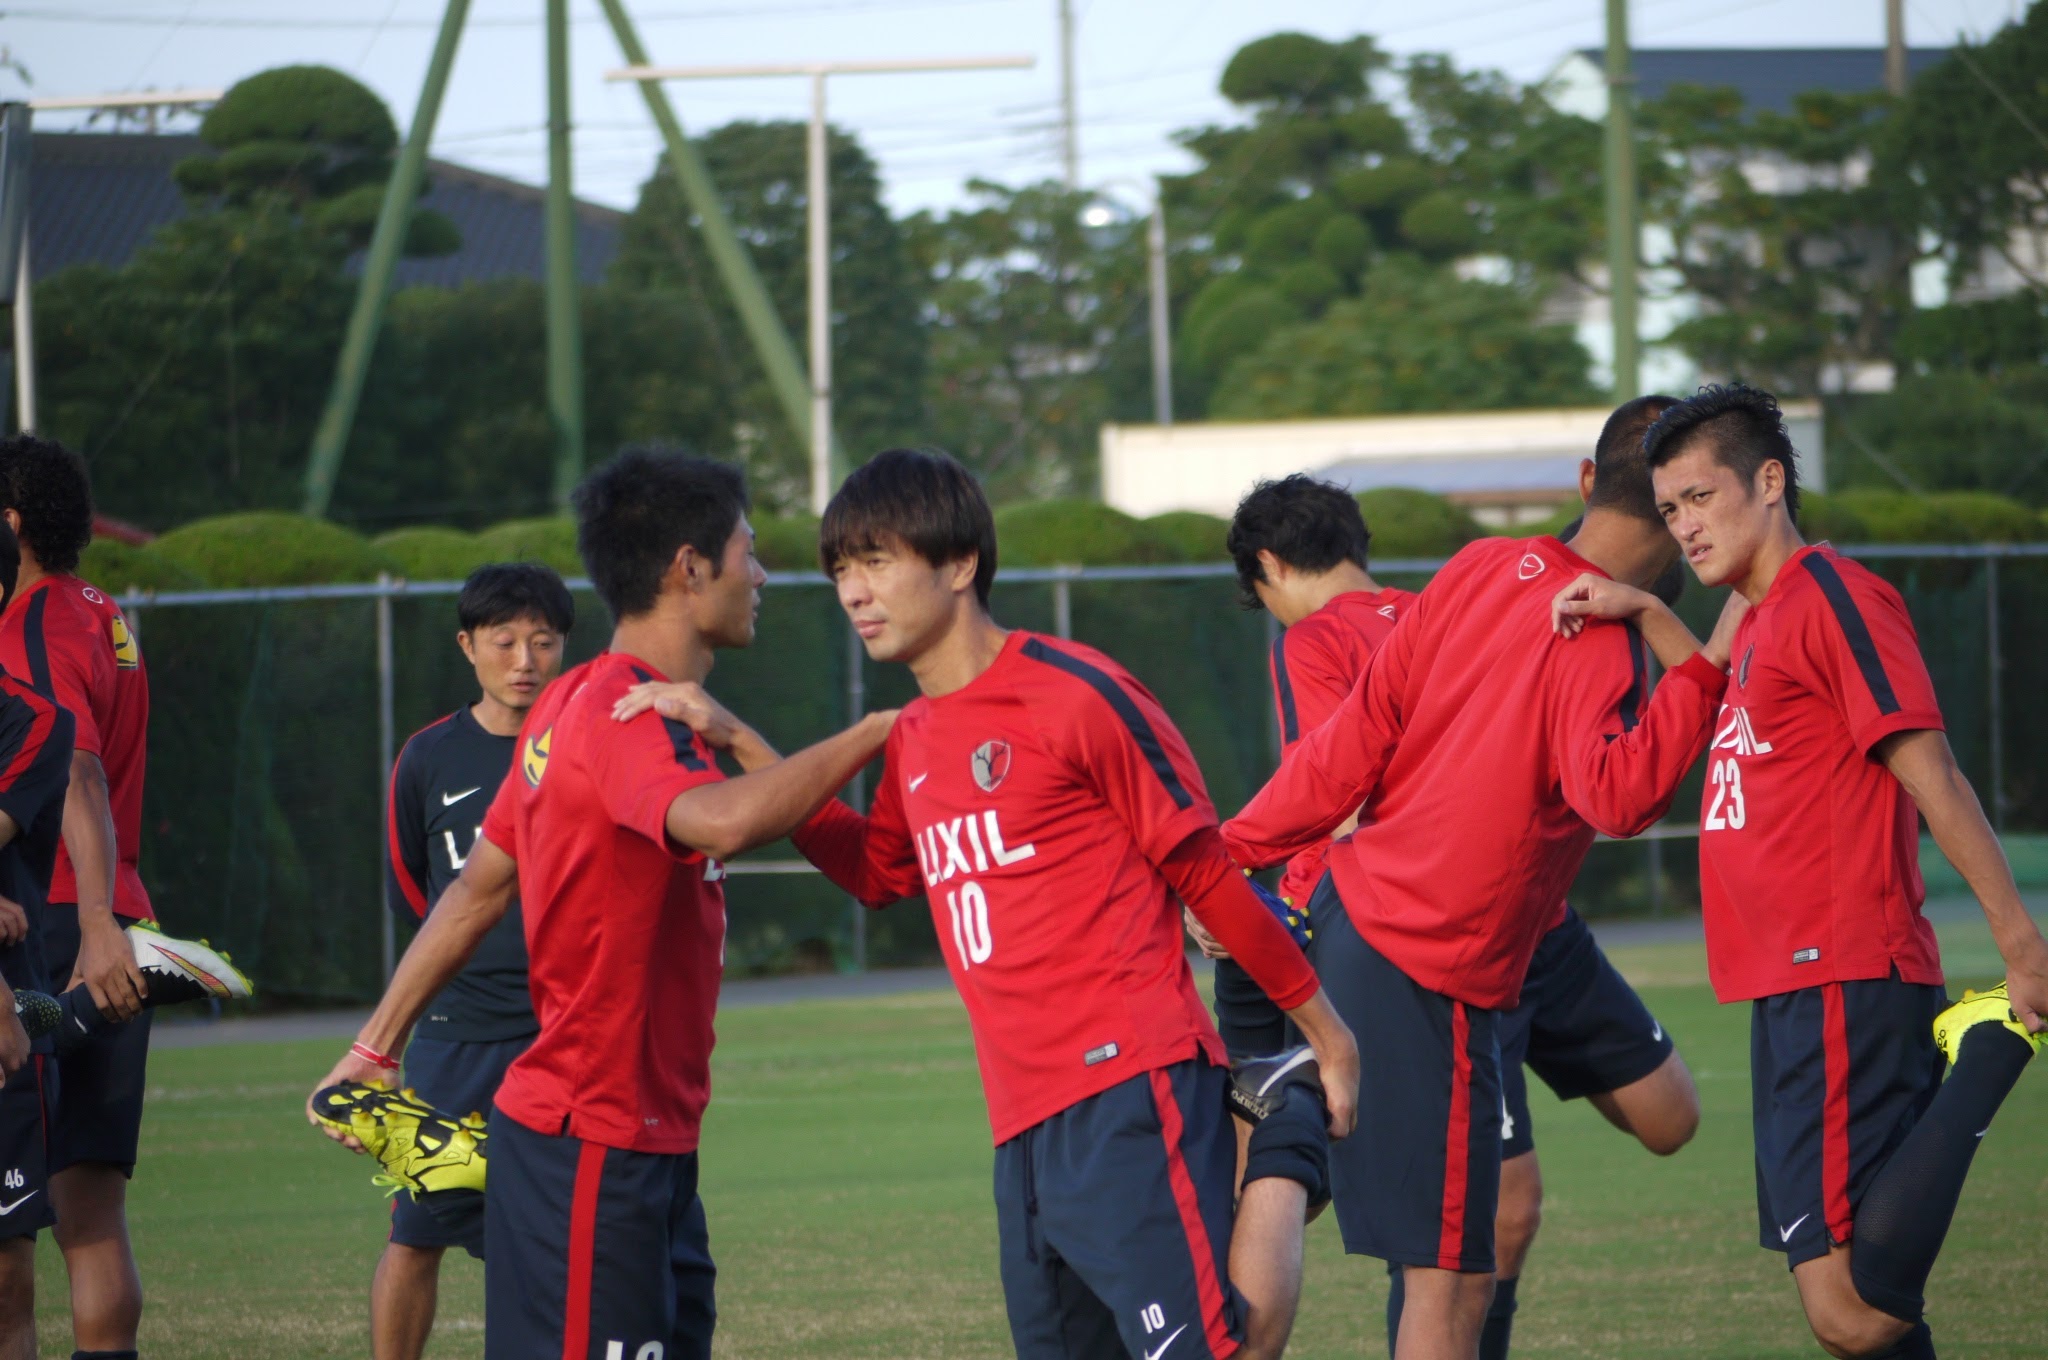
{"x": 968, "y": 906}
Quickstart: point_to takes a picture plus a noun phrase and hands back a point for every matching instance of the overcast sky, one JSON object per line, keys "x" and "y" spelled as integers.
{"x": 1145, "y": 67}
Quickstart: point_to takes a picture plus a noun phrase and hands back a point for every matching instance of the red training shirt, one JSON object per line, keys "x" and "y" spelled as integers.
{"x": 1036, "y": 805}
{"x": 625, "y": 929}
{"x": 1314, "y": 665}
{"x": 1487, "y": 751}
{"x": 70, "y": 643}
{"x": 1809, "y": 848}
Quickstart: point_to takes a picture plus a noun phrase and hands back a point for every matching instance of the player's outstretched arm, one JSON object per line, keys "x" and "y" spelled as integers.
{"x": 461, "y": 917}
{"x": 1593, "y": 596}
{"x": 1924, "y": 764}
{"x": 106, "y": 963}
{"x": 730, "y": 817}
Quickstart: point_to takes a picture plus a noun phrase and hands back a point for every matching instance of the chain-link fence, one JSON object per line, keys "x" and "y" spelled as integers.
{"x": 276, "y": 713}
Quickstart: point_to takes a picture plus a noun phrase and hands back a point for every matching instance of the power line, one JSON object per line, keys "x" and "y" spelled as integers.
{"x": 68, "y": 15}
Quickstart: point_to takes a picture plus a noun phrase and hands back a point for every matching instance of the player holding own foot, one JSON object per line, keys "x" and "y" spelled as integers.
{"x": 1827, "y": 742}
{"x": 1481, "y": 753}
{"x": 1049, "y": 810}
{"x": 515, "y": 619}
{"x": 596, "y": 1244}
{"x": 1300, "y": 547}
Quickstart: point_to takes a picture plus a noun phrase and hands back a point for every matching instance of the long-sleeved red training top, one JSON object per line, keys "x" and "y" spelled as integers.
{"x": 1487, "y": 751}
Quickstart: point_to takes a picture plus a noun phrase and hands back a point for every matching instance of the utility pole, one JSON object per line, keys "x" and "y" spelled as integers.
{"x": 565, "y": 327}
{"x": 1070, "y": 124}
{"x": 1895, "y": 48}
{"x": 818, "y": 208}
{"x": 1622, "y": 227}
{"x": 394, "y": 217}
{"x": 1162, "y": 338}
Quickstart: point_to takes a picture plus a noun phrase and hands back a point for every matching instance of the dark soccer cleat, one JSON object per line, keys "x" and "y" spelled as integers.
{"x": 1294, "y": 918}
{"x": 39, "y": 1013}
{"x": 184, "y": 970}
{"x": 1258, "y": 1086}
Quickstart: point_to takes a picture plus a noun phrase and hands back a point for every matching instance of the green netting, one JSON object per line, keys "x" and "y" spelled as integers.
{"x": 262, "y": 827}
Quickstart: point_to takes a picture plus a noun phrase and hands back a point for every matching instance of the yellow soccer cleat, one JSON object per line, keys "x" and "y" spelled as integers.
{"x": 421, "y": 1149}
{"x": 1980, "y": 1008}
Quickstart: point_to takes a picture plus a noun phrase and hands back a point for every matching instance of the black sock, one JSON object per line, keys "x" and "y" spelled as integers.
{"x": 1905, "y": 1214}
{"x": 1917, "y": 1344}
{"x": 1397, "y": 1294}
{"x": 1500, "y": 1321}
{"x": 103, "y": 1355}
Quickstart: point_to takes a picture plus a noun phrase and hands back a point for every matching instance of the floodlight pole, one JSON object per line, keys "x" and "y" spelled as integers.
{"x": 819, "y": 209}
{"x": 1622, "y": 243}
{"x": 1162, "y": 335}
{"x": 565, "y": 327}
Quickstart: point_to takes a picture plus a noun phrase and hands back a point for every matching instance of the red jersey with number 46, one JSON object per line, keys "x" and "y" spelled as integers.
{"x": 1809, "y": 848}
{"x": 1314, "y": 665}
{"x": 1033, "y": 807}
{"x": 70, "y": 643}
{"x": 625, "y": 929}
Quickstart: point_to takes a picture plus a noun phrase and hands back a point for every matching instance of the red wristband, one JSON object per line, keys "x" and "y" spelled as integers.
{"x": 371, "y": 1055}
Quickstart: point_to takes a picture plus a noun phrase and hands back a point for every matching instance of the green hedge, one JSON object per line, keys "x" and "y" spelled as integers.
{"x": 1408, "y": 523}
{"x": 121, "y": 567}
{"x": 787, "y": 543}
{"x": 433, "y": 554}
{"x": 271, "y": 548}
{"x": 1197, "y": 537}
{"x": 552, "y": 541}
{"x": 1075, "y": 533}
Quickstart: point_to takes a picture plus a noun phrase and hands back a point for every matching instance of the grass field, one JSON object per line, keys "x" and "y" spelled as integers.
{"x": 846, "y": 1173}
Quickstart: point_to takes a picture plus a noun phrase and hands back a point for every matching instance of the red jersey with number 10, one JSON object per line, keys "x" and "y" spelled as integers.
{"x": 1033, "y": 807}
{"x": 625, "y": 929}
{"x": 70, "y": 643}
{"x": 1809, "y": 848}
{"x": 1314, "y": 665}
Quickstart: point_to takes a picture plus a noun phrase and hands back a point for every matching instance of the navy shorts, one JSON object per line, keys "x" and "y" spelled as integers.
{"x": 1579, "y": 1026}
{"x": 1839, "y": 1074}
{"x": 1417, "y": 1182}
{"x": 1251, "y": 1025}
{"x": 457, "y": 1077}
{"x": 24, "y": 1152}
{"x": 593, "y": 1252}
{"x": 1114, "y": 1218}
{"x": 97, "y": 1115}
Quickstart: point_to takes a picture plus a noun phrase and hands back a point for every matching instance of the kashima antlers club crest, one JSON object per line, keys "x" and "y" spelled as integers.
{"x": 991, "y": 764}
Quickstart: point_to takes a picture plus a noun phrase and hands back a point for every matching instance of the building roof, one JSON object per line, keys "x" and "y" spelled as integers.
{"x": 1767, "y": 77}
{"x": 95, "y": 198}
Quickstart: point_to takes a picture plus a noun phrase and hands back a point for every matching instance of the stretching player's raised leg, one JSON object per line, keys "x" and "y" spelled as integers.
{"x": 1661, "y": 1111}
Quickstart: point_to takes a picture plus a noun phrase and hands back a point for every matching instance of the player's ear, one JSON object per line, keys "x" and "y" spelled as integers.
{"x": 1770, "y": 481}
{"x": 960, "y": 572}
{"x": 1586, "y": 480}
{"x": 1271, "y": 568}
{"x": 468, "y": 646}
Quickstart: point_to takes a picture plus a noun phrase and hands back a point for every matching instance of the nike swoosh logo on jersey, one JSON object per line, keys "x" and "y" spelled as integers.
{"x": 6, "y": 1209}
{"x": 1154, "y": 1355}
{"x": 919, "y": 779}
{"x": 1785, "y": 1234}
{"x": 1656, "y": 1031}
{"x": 451, "y": 799}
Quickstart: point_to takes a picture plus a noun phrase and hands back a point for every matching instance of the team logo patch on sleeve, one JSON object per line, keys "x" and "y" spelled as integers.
{"x": 991, "y": 764}
{"x": 1530, "y": 567}
{"x": 533, "y": 761}
{"x": 127, "y": 655}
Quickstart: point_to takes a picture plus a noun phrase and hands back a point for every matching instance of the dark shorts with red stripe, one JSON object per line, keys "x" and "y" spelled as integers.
{"x": 459, "y": 1077}
{"x": 593, "y": 1253}
{"x": 1417, "y": 1182}
{"x": 1114, "y": 1218}
{"x": 24, "y": 1150}
{"x": 1839, "y": 1074}
{"x": 97, "y": 1114}
{"x": 1580, "y": 1027}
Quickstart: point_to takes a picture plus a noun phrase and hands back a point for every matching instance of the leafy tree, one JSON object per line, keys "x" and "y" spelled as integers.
{"x": 878, "y": 342}
{"x": 1417, "y": 339}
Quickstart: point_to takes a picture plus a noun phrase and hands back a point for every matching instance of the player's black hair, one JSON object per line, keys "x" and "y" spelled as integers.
{"x": 635, "y": 513}
{"x": 922, "y": 498}
{"x": 1621, "y": 476}
{"x": 1308, "y": 524}
{"x": 45, "y": 483}
{"x": 10, "y": 564}
{"x": 502, "y": 592}
{"x": 1670, "y": 583}
{"x": 1745, "y": 425}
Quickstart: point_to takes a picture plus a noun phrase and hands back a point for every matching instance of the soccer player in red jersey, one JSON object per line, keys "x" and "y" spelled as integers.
{"x": 1480, "y": 754}
{"x": 1301, "y": 547}
{"x": 613, "y": 835}
{"x": 1042, "y": 801}
{"x": 68, "y": 641}
{"x": 1828, "y": 750}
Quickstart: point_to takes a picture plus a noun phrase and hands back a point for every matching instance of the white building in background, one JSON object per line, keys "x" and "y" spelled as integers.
{"x": 1506, "y": 467}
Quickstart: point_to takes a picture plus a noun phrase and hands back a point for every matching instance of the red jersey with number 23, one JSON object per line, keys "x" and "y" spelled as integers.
{"x": 625, "y": 928}
{"x": 70, "y": 643}
{"x": 1314, "y": 665}
{"x": 1809, "y": 848}
{"x": 1033, "y": 807}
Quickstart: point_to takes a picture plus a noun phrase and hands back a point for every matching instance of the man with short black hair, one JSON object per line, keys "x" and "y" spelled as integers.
{"x": 1829, "y": 750}
{"x": 1043, "y": 802}
{"x": 1479, "y": 755}
{"x": 613, "y": 836}
{"x": 514, "y": 620}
